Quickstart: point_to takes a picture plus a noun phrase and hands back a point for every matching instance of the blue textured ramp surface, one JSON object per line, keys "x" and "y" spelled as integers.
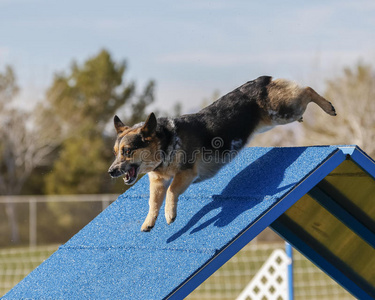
{"x": 112, "y": 259}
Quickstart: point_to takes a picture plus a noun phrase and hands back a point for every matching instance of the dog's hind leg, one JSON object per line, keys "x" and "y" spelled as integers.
{"x": 158, "y": 189}
{"x": 319, "y": 100}
{"x": 180, "y": 183}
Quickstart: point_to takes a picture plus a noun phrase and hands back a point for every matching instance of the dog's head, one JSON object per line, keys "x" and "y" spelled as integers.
{"x": 135, "y": 149}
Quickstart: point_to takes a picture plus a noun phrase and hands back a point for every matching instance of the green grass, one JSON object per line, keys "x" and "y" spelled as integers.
{"x": 17, "y": 263}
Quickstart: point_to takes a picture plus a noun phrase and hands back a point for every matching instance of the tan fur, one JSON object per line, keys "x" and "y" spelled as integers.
{"x": 158, "y": 189}
{"x": 180, "y": 183}
{"x": 288, "y": 96}
{"x": 127, "y": 131}
{"x": 319, "y": 100}
{"x": 289, "y": 93}
{"x": 282, "y": 91}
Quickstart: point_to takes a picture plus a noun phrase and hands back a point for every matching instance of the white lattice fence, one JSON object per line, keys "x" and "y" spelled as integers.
{"x": 271, "y": 281}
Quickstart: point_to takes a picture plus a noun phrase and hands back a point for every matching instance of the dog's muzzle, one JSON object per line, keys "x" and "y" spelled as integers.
{"x": 130, "y": 176}
{"x": 114, "y": 172}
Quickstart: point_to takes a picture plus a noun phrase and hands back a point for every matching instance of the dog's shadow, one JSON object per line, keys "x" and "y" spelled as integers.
{"x": 252, "y": 184}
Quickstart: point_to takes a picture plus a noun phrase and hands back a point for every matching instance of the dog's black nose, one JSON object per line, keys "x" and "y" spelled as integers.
{"x": 114, "y": 172}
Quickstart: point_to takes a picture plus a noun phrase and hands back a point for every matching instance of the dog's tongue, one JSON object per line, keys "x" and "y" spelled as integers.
{"x": 131, "y": 172}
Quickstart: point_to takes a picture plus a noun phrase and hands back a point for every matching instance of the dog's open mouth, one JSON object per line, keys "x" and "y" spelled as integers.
{"x": 131, "y": 175}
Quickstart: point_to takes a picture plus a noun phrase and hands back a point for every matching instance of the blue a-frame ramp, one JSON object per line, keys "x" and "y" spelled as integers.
{"x": 320, "y": 199}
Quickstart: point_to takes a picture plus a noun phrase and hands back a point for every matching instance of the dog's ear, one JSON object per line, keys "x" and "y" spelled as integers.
{"x": 150, "y": 125}
{"x": 119, "y": 126}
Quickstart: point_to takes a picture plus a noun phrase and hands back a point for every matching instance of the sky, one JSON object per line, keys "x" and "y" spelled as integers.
{"x": 190, "y": 48}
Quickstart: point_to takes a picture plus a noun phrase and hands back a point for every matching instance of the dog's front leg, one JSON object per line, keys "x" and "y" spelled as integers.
{"x": 180, "y": 183}
{"x": 158, "y": 189}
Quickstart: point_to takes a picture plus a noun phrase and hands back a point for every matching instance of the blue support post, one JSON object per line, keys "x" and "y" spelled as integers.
{"x": 289, "y": 253}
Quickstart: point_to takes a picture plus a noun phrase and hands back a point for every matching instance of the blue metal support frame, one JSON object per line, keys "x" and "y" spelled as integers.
{"x": 360, "y": 158}
{"x": 289, "y": 253}
{"x": 343, "y": 215}
{"x": 345, "y": 203}
{"x": 313, "y": 254}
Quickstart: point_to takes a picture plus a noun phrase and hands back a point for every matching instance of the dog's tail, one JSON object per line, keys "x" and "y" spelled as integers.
{"x": 319, "y": 100}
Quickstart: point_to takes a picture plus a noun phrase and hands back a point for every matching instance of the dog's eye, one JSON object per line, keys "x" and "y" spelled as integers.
{"x": 126, "y": 151}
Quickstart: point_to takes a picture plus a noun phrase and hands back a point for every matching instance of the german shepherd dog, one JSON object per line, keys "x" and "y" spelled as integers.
{"x": 178, "y": 151}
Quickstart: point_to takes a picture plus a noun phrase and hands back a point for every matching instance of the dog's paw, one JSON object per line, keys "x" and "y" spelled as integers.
{"x": 333, "y": 110}
{"x": 147, "y": 225}
{"x": 170, "y": 216}
{"x": 146, "y": 228}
